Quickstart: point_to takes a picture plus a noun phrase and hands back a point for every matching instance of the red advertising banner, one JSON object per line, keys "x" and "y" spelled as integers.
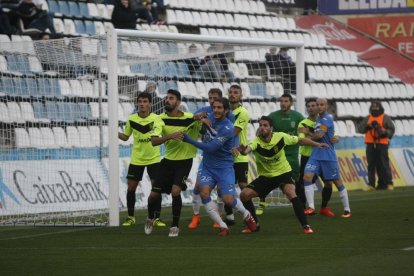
{"x": 366, "y": 48}
{"x": 396, "y": 31}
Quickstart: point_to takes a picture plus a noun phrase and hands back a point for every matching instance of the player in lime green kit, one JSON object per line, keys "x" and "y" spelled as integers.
{"x": 176, "y": 165}
{"x": 144, "y": 155}
{"x": 286, "y": 120}
{"x": 241, "y": 123}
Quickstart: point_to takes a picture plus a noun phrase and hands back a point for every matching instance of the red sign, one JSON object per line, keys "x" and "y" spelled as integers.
{"x": 366, "y": 48}
{"x": 396, "y": 31}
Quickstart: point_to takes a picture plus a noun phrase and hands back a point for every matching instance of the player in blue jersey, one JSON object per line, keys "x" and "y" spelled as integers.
{"x": 201, "y": 113}
{"x": 323, "y": 161}
{"x": 217, "y": 169}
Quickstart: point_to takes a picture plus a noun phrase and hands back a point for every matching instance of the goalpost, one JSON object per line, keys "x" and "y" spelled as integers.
{"x": 62, "y": 103}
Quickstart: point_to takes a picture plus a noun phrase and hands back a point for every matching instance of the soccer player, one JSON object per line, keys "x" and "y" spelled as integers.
{"x": 217, "y": 166}
{"x": 144, "y": 155}
{"x": 273, "y": 168}
{"x": 241, "y": 162}
{"x": 307, "y": 126}
{"x": 323, "y": 161}
{"x": 178, "y": 160}
{"x": 204, "y": 112}
{"x": 286, "y": 120}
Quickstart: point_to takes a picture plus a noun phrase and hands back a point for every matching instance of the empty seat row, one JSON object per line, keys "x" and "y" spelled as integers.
{"x": 361, "y": 109}
{"x": 347, "y": 73}
{"x": 330, "y": 56}
{"x": 359, "y": 90}
{"x": 244, "y": 6}
{"x": 79, "y": 9}
{"x": 17, "y": 44}
{"x": 20, "y": 63}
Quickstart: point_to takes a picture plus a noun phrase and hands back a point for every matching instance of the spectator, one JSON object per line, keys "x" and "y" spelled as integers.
{"x": 5, "y": 25}
{"x": 221, "y": 60}
{"x": 123, "y": 17}
{"x": 208, "y": 67}
{"x": 149, "y": 13}
{"x": 157, "y": 102}
{"x": 281, "y": 64}
{"x": 33, "y": 17}
{"x": 379, "y": 129}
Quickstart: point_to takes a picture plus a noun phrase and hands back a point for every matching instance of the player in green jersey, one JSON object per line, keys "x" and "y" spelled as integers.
{"x": 286, "y": 120}
{"x": 144, "y": 155}
{"x": 273, "y": 168}
{"x": 176, "y": 165}
{"x": 241, "y": 124}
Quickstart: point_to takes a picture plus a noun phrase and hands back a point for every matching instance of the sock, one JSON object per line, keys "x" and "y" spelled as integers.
{"x": 300, "y": 192}
{"x": 196, "y": 202}
{"x": 220, "y": 205}
{"x": 263, "y": 199}
{"x": 343, "y": 194}
{"x": 177, "y": 204}
{"x": 130, "y": 197}
{"x": 239, "y": 206}
{"x": 326, "y": 196}
{"x": 153, "y": 203}
{"x": 310, "y": 194}
{"x": 228, "y": 210}
{"x": 250, "y": 207}
{"x": 299, "y": 212}
{"x": 211, "y": 209}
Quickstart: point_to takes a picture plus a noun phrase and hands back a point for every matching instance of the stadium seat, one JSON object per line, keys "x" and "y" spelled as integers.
{"x": 73, "y": 138}
{"x": 22, "y": 138}
{"x": 15, "y": 113}
{"x": 4, "y": 113}
{"x": 48, "y": 137}
{"x": 85, "y": 137}
{"x": 27, "y": 112}
{"x": 36, "y": 138}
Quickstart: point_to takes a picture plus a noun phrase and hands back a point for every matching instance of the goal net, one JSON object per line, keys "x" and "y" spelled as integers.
{"x": 64, "y": 101}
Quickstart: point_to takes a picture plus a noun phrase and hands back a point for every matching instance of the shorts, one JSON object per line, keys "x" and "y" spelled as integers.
{"x": 172, "y": 172}
{"x": 241, "y": 171}
{"x": 328, "y": 169}
{"x": 264, "y": 185}
{"x": 135, "y": 172}
{"x": 223, "y": 178}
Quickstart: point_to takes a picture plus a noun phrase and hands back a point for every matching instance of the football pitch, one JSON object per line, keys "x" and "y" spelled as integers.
{"x": 377, "y": 240}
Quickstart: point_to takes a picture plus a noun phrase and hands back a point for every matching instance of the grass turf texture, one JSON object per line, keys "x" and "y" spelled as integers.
{"x": 370, "y": 242}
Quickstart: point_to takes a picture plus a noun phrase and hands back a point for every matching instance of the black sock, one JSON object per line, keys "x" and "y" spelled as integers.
{"x": 153, "y": 203}
{"x": 228, "y": 209}
{"x": 177, "y": 204}
{"x": 300, "y": 192}
{"x": 263, "y": 199}
{"x": 250, "y": 207}
{"x": 130, "y": 202}
{"x": 326, "y": 196}
{"x": 299, "y": 211}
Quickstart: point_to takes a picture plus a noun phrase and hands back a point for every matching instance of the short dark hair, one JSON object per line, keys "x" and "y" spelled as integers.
{"x": 224, "y": 101}
{"x": 235, "y": 85}
{"x": 216, "y": 91}
{"x": 310, "y": 100}
{"x": 268, "y": 119}
{"x": 175, "y": 93}
{"x": 145, "y": 95}
{"x": 287, "y": 95}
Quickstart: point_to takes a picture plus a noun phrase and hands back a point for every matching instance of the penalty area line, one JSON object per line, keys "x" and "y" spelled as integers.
{"x": 408, "y": 248}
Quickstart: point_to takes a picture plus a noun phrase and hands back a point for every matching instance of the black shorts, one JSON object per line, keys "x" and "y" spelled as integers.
{"x": 264, "y": 185}
{"x": 172, "y": 172}
{"x": 135, "y": 172}
{"x": 241, "y": 170}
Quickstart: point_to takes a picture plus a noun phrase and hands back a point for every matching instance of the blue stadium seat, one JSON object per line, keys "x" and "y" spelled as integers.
{"x": 75, "y": 114}
{"x": 183, "y": 71}
{"x": 162, "y": 87}
{"x": 8, "y": 85}
{"x": 90, "y": 27}
{"x": 192, "y": 106}
{"x": 39, "y": 110}
{"x": 52, "y": 112}
{"x": 20, "y": 87}
{"x": 53, "y": 6}
{"x": 64, "y": 7}
{"x": 79, "y": 26}
{"x": 55, "y": 88}
{"x": 85, "y": 111}
{"x": 74, "y": 9}
{"x": 44, "y": 88}
{"x": 31, "y": 85}
{"x": 83, "y": 9}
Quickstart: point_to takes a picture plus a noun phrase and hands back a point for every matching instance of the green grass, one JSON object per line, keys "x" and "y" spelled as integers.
{"x": 371, "y": 242}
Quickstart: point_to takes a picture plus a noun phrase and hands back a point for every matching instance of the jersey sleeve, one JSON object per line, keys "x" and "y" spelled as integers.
{"x": 158, "y": 127}
{"x": 253, "y": 144}
{"x": 242, "y": 120}
{"x": 301, "y": 134}
{"x": 128, "y": 129}
{"x": 324, "y": 124}
{"x": 290, "y": 139}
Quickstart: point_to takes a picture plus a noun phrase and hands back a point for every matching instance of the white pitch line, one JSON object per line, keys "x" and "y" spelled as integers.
{"x": 47, "y": 234}
{"x": 408, "y": 248}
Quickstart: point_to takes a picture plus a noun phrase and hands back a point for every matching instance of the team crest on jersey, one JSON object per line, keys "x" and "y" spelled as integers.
{"x": 292, "y": 124}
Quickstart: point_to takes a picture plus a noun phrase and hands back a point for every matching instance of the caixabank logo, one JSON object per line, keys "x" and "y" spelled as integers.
{"x": 5, "y": 193}
{"x": 409, "y": 159}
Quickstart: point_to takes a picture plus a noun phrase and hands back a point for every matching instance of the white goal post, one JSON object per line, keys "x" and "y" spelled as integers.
{"x": 114, "y": 36}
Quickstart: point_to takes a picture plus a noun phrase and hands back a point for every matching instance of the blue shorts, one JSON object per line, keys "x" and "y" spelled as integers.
{"x": 221, "y": 177}
{"x": 328, "y": 169}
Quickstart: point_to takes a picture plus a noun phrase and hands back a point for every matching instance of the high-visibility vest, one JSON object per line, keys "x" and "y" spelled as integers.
{"x": 372, "y": 136}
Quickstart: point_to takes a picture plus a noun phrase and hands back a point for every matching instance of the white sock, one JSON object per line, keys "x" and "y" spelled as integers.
{"x": 310, "y": 196}
{"x": 239, "y": 206}
{"x": 220, "y": 205}
{"x": 196, "y": 204}
{"x": 343, "y": 193}
{"x": 211, "y": 208}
